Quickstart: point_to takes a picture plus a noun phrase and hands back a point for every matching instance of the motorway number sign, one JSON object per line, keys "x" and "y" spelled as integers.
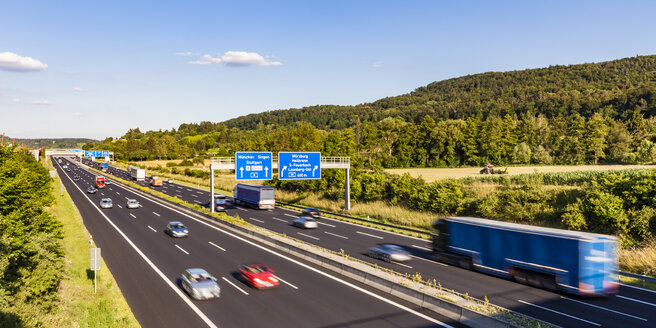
{"x": 253, "y": 165}
{"x": 299, "y": 165}
{"x": 95, "y": 259}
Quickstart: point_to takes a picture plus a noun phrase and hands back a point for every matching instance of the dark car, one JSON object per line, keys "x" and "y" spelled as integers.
{"x": 76, "y": 178}
{"x": 176, "y": 229}
{"x": 313, "y": 212}
{"x": 390, "y": 253}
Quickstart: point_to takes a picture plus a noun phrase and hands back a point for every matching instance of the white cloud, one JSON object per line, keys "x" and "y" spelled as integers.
{"x": 77, "y": 89}
{"x": 377, "y": 64}
{"x": 10, "y": 61}
{"x": 16, "y": 100}
{"x": 186, "y": 54}
{"x": 41, "y": 102}
{"x": 236, "y": 59}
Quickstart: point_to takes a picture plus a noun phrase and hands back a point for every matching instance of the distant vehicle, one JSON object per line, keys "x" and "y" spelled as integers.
{"x": 105, "y": 167}
{"x": 258, "y": 276}
{"x": 68, "y": 169}
{"x": 199, "y": 284}
{"x": 156, "y": 182}
{"x": 100, "y": 182}
{"x": 132, "y": 203}
{"x": 313, "y": 212}
{"x": 106, "y": 203}
{"x": 176, "y": 229}
{"x": 489, "y": 169}
{"x": 136, "y": 173}
{"x": 257, "y": 196}
{"x": 571, "y": 261}
{"x": 169, "y": 180}
{"x": 306, "y": 222}
{"x": 91, "y": 190}
{"x": 59, "y": 161}
{"x": 108, "y": 182}
{"x": 76, "y": 178}
{"x": 390, "y": 253}
{"x": 220, "y": 203}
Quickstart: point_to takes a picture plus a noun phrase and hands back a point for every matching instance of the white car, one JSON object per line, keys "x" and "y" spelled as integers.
{"x": 132, "y": 203}
{"x": 306, "y": 222}
{"x": 106, "y": 203}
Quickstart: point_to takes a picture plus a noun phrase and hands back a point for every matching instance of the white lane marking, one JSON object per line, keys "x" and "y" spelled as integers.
{"x": 242, "y": 209}
{"x": 336, "y": 235}
{"x": 303, "y": 265}
{"x": 217, "y": 246}
{"x": 180, "y": 248}
{"x": 199, "y": 192}
{"x": 117, "y": 193}
{"x": 302, "y": 234}
{"x": 233, "y": 285}
{"x": 294, "y": 216}
{"x": 424, "y": 248}
{"x": 197, "y": 201}
{"x": 257, "y": 220}
{"x": 179, "y": 195}
{"x": 151, "y": 228}
{"x": 635, "y": 300}
{"x": 194, "y": 196}
{"x": 126, "y": 197}
{"x": 564, "y": 314}
{"x": 189, "y": 189}
{"x": 152, "y": 265}
{"x": 603, "y": 308}
{"x": 132, "y": 215}
{"x": 285, "y": 282}
{"x": 366, "y": 234}
{"x": 156, "y": 213}
{"x": 275, "y": 218}
{"x": 102, "y": 194}
{"x": 119, "y": 206}
{"x": 401, "y": 264}
{"x": 636, "y": 287}
{"x": 326, "y": 224}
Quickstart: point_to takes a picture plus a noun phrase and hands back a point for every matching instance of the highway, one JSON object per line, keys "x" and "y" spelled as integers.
{"x": 632, "y": 307}
{"x": 147, "y": 264}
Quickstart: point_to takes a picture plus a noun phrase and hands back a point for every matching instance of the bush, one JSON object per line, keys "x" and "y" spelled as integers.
{"x": 605, "y": 213}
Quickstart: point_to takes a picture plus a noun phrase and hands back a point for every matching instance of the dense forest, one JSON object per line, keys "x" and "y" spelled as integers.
{"x": 590, "y": 113}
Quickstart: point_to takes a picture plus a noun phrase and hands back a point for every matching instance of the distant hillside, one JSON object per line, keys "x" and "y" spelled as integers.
{"x": 52, "y": 142}
{"x": 610, "y": 88}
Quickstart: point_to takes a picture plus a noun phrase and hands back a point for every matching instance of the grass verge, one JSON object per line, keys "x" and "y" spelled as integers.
{"x": 79, "y": 306}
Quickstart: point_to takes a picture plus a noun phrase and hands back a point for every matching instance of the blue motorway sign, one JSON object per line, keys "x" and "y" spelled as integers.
{"x": 253, "y": 165}
{"x": 96, "y": 153}
{"x": 299, "y": 165}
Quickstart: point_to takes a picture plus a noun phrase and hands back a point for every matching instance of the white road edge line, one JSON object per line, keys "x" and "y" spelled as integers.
{"x": 336, "y": 235}
{"x": 322, "y": 273}
{"x": 257, "y": 220}
{"x": 635, "y": 300}
{"x": 366, "y": 234}
{"x": 217, "y": 246}
{"x": 603, "y": 308}
{"x": 302, "y": 234}
{"x": 180, "y": 248}
{"x": 326, "y": 224}
{"x": 233, "y": 285}
{"x": 424, "y": 248}
{"x": 275, "y": 218}
{"x": 151, "y": 264}
{"x": 285, "y": 282}
{"x": 564, "y": 314}
{"x": 430, "y": 261}
{"x": 151, "y": 228}
{"x": 401, "y": 264}
{"x": 640, "y": 288}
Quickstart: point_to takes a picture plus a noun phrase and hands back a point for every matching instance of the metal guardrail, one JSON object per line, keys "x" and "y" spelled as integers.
{"x": 639, "y": 277}
{"x": 364, "y": 220}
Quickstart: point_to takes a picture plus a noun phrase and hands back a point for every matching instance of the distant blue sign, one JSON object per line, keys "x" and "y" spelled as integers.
{"x": 299, "y": 165}
{"x": 96, "y": 153}
{"x": 253, "y": 165}
{"x": 76, "y": 150}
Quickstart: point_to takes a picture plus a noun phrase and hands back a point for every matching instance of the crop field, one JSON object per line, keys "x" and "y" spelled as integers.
{"x": 434, "y": 174}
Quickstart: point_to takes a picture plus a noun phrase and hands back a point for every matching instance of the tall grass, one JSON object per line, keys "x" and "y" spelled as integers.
{"x": 641, "y": 260}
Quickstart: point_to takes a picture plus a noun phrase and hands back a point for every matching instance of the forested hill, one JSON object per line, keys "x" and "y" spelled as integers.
{"x": 51, "y": 142}
{"x": 611, "y": 88}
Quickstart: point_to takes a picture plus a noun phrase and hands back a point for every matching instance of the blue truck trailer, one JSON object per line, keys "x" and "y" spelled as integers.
{"x": 571, "y": 261}
{"x": 257, "y": 196}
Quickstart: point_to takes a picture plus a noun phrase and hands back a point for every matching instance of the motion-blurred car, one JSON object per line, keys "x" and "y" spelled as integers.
{"x": 108, "y": 182}
{"x": 76, "y": 178}
{"x": 313, "y": 212}
{"x": 390, "y": 253}
{"x": 132, "y": 203}
{"x": 258, "y": 276}
{"x": 91, "y": 190}
{"x": 176, "y": 229}
{"x": 106, "y": 203}
{"x": 169, "y": 180}
{"x": 199, "y": 284}
{"x": 220, "y": 202}
{"x": 306, "y": 222}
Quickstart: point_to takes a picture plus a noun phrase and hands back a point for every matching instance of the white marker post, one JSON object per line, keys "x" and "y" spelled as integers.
{"x": 95, "y": 265}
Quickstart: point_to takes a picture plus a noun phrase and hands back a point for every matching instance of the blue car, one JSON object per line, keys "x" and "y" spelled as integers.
{"x": 176, "y": 229}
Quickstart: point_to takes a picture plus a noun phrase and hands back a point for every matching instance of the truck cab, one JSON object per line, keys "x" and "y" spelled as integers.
{"x": 100, "y": 182}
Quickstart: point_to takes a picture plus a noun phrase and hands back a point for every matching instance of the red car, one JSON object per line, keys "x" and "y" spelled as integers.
{"x": 258, "y": 275}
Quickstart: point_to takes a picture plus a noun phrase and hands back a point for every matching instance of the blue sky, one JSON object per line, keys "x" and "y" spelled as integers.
{"x": 97, "y": 68}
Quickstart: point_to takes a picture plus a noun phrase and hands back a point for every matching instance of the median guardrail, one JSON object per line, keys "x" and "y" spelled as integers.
{"x": 644, "y": 278}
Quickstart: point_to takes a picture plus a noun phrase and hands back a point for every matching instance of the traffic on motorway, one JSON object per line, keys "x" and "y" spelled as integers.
{"x": 631, "y": 307}
{"x": 177, "y": 270}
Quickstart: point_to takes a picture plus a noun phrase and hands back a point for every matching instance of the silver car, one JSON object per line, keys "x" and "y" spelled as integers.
{"x": 390, "y": 253}
{"x": 132, "y": 203}
{"x": 176, "y": 229}
{"x": 106, "y": 203}
{"x": 306, "y": 222}
{"x": 199, "y": 284}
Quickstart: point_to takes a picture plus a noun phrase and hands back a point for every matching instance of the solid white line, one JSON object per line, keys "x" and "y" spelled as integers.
{"x": 326, "y": 224}
{"x": 431, "y": 261}
{"x": 217, "y": 246}
{"x": 424, "y": 248}
{"x": 302, "y": 234}
{"x": 151, "y": 228}
{"x": 635, "y": 300}
{"x": 257, "y": 220}
{"x": 180, "y": 248}
{"x": 132, "y": 215}
{"x": 242, "y": 209}
{"x": 336, "y": 235}
{"x": 366, "y": 234}
{"x": 152, "y": 266}
{"x": 233, "y": 285}
{"x": 285, "y": 282}
{"x": 603, "y": 308}
{"x": 156, "y": 213}
{"x": 554, "y": 311}
{"x": 640, "y": 288}
{"x": 294, "y": 216}
{"x": 322, "y": 273}
{"x": 401, "y": 264}
{"x": 275, "y": 218}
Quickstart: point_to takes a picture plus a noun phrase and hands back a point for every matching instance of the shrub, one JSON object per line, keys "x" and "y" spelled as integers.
{"x": 605, "y": 213}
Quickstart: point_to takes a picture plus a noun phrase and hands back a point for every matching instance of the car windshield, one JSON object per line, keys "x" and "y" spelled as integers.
{"x": 177, "y": 226}
{"x": 132, "y": 201}
{"x": 256, "y": 269}
{"x": 394, "y": 248}
{"x": 309, "y": 219}
{"x": 200, "y": 277}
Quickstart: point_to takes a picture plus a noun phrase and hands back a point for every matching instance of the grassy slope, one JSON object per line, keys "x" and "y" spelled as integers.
{"x": 79, "y": 306}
